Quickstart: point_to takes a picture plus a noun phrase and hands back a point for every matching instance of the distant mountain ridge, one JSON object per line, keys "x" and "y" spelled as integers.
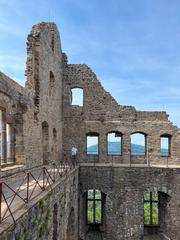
{"x": 115, "y": 148}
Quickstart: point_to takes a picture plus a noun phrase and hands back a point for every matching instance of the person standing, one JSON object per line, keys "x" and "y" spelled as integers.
{"x": 74, "y": 152}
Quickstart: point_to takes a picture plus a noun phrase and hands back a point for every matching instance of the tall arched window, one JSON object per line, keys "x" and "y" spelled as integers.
{"x": 51, "y": 83}
{"x": 45, "y": 142}
{"x": 77, "y": 97}
{"x": 114, "y": 143}
{"x": 7, "y": 139}
{"x": 94, "y": 202}
{"x": 52, "y": 42}
{"x": 165, "y": 148}
{"x": 138, "y": 144}
{"x": 92, "y": 143}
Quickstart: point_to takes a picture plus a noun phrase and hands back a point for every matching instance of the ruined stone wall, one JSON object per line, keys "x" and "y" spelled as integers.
{"x": 39, "y": 122}
{"x": 14, "y": 104}
{"x": 44, "y": 87}
{"x": 53, "y": 215}
{"x": 36, "y": 110}
{"x": 101, "y": 114}
{"x": 124, "y": 190}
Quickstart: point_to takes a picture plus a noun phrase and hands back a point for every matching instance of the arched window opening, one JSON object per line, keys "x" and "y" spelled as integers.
{"x": 92, "y": 142}
{"x": 138, "y": 144}
{"x": 54, "y": 134}
{"x": 9, "y": 143}
{"x": 94, "y": 201}
{"x": 55, "y": 222}
{"x": 114, "y": 143}
{"x": 52, "y": 42}
{"x": 151, "y": 209}
{"x": 165, "y": 148}
{"x": 7, "y": 139}
{"x": 51, "y": 83}
{"x": 77, "y": 97}
{"x": 45, "y": 142}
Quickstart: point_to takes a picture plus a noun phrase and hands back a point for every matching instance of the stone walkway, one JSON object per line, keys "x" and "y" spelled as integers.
{"x": 18, "y": 199}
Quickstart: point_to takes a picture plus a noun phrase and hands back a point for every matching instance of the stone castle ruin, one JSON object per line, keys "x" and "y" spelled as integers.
{"x": 118, "y": 189}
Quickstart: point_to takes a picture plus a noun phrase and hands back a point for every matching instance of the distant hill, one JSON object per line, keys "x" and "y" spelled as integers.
{"x": 114, "y": 148}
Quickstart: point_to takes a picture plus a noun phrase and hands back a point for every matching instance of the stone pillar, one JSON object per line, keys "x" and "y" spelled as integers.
{"x": 0, "y": 134}
{"x": 102, "y": 148}
{"x": 3, "y": 136}
{"x": 10, "y": 145}
{"x": 126, "y": 148}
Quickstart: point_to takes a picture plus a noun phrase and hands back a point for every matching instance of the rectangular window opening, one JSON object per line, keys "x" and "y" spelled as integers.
{"x": 92, "y": 145}
{"x": 165, "y": 146}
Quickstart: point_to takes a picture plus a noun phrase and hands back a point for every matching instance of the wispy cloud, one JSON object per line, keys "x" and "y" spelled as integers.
{"x": 133, "y": 48}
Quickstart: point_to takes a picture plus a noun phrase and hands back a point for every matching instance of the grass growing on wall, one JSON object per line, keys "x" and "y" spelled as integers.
{"x": 38, "y": 226}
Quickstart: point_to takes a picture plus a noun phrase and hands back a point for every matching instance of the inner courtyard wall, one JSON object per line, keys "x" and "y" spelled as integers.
{"x": 124, "y": 190}
{"x": 101, "y": 114}
{"x": 53, "y": 215}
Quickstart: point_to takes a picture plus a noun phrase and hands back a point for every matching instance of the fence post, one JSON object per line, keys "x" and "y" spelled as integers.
{"x": 61, "y": 168}
{"x": 66, "y": 166}
{"x": 0, "y": 201}
{"x": 44, "y": 175}
{"x": 54, "y": 174}
{"x": 27, "y": 196}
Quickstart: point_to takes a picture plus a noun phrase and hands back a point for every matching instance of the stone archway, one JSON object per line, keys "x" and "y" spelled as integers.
{"x": 71, "y": 226}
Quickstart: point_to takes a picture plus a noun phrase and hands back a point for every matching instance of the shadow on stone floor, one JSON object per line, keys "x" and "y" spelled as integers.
{"x": 155, "y": 237}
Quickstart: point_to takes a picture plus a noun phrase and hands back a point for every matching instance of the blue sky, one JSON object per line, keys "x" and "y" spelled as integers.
{"x": 132, "y": 46}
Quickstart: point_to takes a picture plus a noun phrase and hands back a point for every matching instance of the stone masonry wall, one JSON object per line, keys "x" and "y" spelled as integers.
{"x": 44, "y": 87}
{"x": 124, "y": 189}
{"x": 50, "y": 215}
{"x": 39, "y": 103}
{"x": 14, "y": 102}
{"x": 101, "y": 114}
{"x": 46, "y": 125}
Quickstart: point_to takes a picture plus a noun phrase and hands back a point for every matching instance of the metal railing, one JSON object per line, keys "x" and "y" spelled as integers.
{"x": 34, "y": 182}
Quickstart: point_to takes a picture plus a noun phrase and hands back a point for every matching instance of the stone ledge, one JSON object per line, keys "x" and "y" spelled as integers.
{"x": 127, "y": 165}
{"x": 10, "y": 169}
